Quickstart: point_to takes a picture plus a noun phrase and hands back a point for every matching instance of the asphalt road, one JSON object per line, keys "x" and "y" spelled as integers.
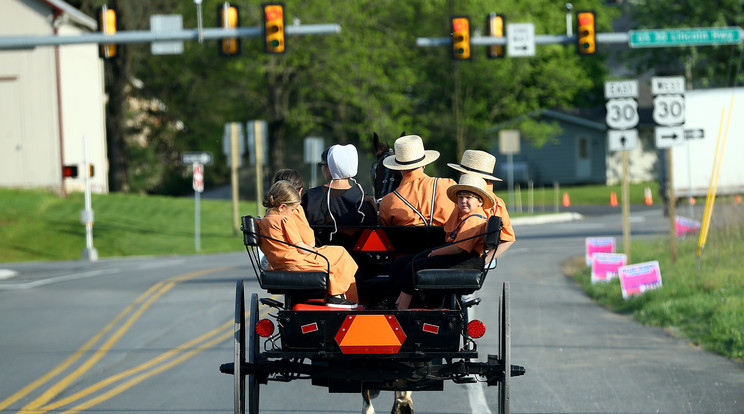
{"x": 147, "y": 335}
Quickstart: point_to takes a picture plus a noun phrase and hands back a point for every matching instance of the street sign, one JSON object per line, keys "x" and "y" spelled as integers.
{"x": 204, "y": 158}
{"x": 684, "y": 37}
{"x": 694, "y": 133}
{"x": 520, "y": 39}
{"x": 669, "y": 110}
{"x": 166, "y": 24}
{"x": 621, "y": 89}
{"x": 622, "y": 140}
{"x": 509, "y": 141}
{"x": 198, "y": 179}
{"x": 622, "y": 113}
{"x": 669, "y": 136}
{"x": 667, "y": 85}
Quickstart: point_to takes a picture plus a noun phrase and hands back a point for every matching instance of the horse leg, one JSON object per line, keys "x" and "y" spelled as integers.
{"x": 367, "y": 407}
{"x": 403, "y": 403}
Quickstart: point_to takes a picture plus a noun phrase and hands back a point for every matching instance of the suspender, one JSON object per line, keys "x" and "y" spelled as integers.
{"x": 430, "y": 222}
{"x": 453, "y": 234}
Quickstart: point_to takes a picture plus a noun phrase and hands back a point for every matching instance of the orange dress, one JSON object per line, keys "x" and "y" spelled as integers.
{"x": 284, "y": 257}
{"x": 499, "y": 209}
{"x": 416, "y": 187}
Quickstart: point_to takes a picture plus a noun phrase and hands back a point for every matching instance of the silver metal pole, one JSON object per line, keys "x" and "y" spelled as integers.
{"x": 89, "y": 253}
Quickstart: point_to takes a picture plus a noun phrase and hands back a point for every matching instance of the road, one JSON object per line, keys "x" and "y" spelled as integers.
{"x": 147, "y": 335}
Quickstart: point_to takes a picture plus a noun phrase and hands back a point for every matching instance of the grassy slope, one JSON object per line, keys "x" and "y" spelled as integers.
{"x": 36, "y": 225}
{"x": 703, "y": 301}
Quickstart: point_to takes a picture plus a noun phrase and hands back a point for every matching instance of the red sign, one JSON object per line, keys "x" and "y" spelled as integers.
{"x": 198, "y": 182}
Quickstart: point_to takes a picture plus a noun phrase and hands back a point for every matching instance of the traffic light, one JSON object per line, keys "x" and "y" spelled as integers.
{"x": 229, "y": 18}
{"x": 107, "y": 25}
{"x": 586, "y": 36}
{"x": 460, "y": 38}
{"x": 495, "y": 24}
{"x": 273, "y": 28}
{"x": 69, "y": 171}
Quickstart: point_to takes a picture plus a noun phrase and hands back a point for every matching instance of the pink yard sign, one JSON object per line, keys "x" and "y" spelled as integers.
{"x": 684, "y": 226}
{"x": 598, "y": 245}
{"x": 638, "y": 278}
{"x": 605, "y": 266}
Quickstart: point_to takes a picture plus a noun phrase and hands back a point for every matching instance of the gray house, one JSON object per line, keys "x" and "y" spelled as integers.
{"x": 578, "y": 154}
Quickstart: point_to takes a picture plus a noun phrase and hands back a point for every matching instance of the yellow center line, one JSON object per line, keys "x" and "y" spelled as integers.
{"x": 159, "y": 288}
{"x": 83, "y": 349}
{"x": 129, "y": 384}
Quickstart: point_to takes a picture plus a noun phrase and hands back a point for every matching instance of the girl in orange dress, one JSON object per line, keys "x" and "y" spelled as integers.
{"x": 279, "y": 222}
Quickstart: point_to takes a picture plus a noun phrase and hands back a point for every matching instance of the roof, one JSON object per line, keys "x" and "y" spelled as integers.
{"x": 75, "y": 15}
{"x": 593, "y": 118}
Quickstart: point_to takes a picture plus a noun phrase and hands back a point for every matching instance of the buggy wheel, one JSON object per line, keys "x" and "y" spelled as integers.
{"x": 253, "y": 345}
{"x": 239, "y": 340}
{"x": 505, "y": 350}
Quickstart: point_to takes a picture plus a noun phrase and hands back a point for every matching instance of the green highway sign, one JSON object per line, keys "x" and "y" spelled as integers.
{"x": 685, "y": 37}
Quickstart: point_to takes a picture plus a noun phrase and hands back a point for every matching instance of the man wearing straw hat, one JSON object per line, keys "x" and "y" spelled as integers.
{"x": 419, "y": 199}
{"x": 482, "y": 164}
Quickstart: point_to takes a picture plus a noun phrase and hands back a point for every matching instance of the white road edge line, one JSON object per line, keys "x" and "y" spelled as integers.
{"x": 58, "y": 279}
{"x": 478, "y": 403}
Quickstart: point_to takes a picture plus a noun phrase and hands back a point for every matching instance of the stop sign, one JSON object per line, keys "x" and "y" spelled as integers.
{"x": 198, "y": 182}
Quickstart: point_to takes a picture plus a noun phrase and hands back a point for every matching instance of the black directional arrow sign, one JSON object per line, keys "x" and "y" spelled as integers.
{"x": 622, "y": 140}
{"x": 669, "y": 136}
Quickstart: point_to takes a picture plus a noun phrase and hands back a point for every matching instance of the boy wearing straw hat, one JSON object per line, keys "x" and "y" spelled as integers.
{"x": 419, "y": 199}
{"x": 466, "y": 223}
{"x": 482, "y": 164}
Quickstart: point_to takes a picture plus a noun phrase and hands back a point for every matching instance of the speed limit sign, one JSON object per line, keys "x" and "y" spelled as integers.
{"x": 669, "y": 110}
{"x": 622, "y": 113}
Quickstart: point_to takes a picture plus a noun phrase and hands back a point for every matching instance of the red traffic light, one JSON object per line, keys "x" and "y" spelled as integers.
{"x": 69, "y": 171}
{"x": 586, "y": 37}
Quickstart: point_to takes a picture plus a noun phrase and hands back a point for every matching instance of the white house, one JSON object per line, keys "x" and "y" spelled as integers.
{"x": 51, "y": 97}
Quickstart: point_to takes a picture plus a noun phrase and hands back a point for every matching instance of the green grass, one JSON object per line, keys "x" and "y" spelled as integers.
{"x": 544, "y": 198}
{"x": 703, "y": 302}
{"x": 37, "y": 225}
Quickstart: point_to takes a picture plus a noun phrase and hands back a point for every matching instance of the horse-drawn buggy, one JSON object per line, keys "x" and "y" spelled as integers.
{"x": 374, "y": 347}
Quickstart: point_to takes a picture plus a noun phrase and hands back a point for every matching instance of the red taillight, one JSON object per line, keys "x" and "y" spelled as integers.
{"x": 264, "y": 328}
{"x": 476, "y": 329}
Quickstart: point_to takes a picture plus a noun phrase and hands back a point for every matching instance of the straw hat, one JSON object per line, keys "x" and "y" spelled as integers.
{"x": 410, "y": 154}
{"x": 473, "y": 184}
{"x": 477, "y": 162}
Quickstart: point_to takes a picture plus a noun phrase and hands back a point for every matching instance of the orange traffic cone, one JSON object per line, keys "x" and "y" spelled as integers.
{"x": 647, "y": 198}
{"x": 693, "y": 201}
{"x": 613, "y": 199}
{"x": 737, "y": 199}
{"x": 566, "y": 200}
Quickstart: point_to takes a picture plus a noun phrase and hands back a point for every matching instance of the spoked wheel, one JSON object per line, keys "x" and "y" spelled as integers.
{"x": 238, "y": 375}
{"x": 505, "y": 350}
{"x": 253, "y": 346}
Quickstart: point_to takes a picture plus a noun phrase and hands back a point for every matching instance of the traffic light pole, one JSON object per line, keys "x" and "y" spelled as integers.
{"x": 146, "y": 36}
{"x": 620, "y": 37}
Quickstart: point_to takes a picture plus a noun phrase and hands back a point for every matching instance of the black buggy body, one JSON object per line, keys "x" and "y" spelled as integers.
{"x": 371, "y": 348}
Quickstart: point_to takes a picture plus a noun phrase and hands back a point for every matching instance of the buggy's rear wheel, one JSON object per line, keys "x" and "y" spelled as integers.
{"x": 239, "y": 341}
{"x": 253, "y": 396}
{"x": 505, "y": 350}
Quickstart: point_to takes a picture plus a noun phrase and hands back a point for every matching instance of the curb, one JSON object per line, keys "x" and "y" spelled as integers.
{"x": 547, "y": 218}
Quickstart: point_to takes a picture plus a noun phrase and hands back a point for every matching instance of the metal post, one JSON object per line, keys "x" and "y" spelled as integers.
{"x": 672, "y": 208}
{"x": 197, "y": 221}
{"x": 258, "y": 142}
{"x": 234, "y": 174}
{"x": 199, "y": 20}
{"x": 569, "y": 20}
{"x": 626, "y": 207}
{"x": 510, "y": 179}
{"x": 89, "y": 253}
